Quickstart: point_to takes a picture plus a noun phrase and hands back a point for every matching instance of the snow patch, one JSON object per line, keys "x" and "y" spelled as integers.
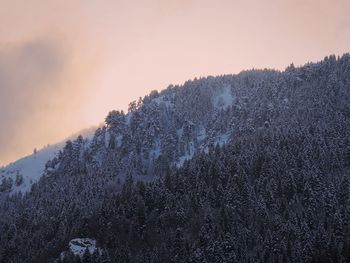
{"x": 163, "y": 100}
{"x": 202, "y": 134}
{"x": 180, "y": 132}
{"x": 78, "y": 246}
{"x": 224, "y": 99}
{"x": 156, "y": 151}
{"x": 128, "y": 118}
{"x": 31, "y": 168}
{"x": 107, "y": 139}
{"x": 188, "y": 155}
{"x": 119, "y": 140}
{"x": 222, "y": 139}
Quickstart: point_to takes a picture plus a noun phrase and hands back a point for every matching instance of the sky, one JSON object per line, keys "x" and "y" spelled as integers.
{"x": 64, "y": 64}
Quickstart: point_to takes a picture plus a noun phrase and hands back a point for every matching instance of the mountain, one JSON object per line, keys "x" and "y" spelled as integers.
{"x": 234, "y": 168}
{"x": 20, "y": 175}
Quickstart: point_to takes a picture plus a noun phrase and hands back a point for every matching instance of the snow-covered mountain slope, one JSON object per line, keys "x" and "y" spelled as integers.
{"x": 282, "y": 171}
{"x": 20, "y": 175}
{"x": 170, "y": 126}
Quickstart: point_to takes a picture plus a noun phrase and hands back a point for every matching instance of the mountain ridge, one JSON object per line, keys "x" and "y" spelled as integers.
{"x": 18, "y": 176}
{"x": 187, "y": 176}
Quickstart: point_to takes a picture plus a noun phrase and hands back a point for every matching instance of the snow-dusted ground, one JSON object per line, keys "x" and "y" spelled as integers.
{"x": 78, "y": 246}
{"x": 31, "y": 167}
{"x": 222, "y": 139}
{"x": 189, "y": 155}
{"x": 224, "y": 99}
{"x": 221, "y": 101}
{"x": 163, "y": 100}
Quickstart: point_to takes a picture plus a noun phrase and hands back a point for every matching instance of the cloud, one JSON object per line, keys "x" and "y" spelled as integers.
{"x": 31, "y": 75}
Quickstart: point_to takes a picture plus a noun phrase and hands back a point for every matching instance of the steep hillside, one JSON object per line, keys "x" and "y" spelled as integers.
{"x": 247, "y": 167}
{"x": 20, "y": 175}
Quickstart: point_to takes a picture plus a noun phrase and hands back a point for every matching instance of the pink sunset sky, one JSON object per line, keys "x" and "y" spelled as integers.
{"x": 65, "y": 63}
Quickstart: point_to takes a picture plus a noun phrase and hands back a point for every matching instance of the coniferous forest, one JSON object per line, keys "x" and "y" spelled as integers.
{"x": 253, "y": 167}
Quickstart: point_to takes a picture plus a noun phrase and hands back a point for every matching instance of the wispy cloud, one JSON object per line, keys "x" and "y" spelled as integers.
{"x": 32, "y": 94}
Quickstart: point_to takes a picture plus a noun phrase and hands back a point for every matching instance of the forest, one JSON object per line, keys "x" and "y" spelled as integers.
{"x": 253, "y": 167}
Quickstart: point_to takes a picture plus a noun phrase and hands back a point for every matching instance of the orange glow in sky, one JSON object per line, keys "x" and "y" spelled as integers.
{"x": 65, "y": 63}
